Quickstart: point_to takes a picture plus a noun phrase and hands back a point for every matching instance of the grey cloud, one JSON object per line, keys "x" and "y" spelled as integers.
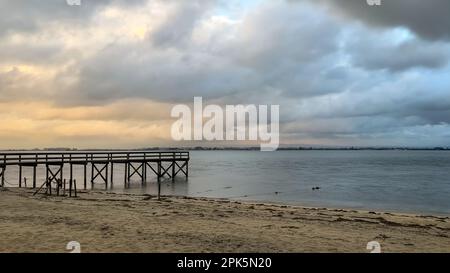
{"x": 411, "y": 54}
{"x": 288, "y": 47}
{"x": 271, "y": 50}
{"x": 115, "y": 73}
{"x": 408, "y": 100}
{"x": 30, "y": 53}
{"x": 16, "y": 85}
{"x": 368, "y": 131}
{"x": 31, "y": 15}
{"x": 429, "y": 19}
{"x": 177, "y": 29}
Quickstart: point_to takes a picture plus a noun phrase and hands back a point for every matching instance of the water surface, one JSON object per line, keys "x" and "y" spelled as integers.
{"x": 405, "y": 181}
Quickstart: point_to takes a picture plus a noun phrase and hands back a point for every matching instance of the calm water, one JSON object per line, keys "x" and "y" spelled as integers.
{"x": 407, "y": 181}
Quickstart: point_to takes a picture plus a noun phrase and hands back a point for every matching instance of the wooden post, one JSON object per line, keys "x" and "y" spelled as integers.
{"x": 20, "y": 171}
{"x": 142, "y": 173}
{"x": 46, "y": 178}
{"x": 92, "y": 174}
{"x": 128, "y": 169}
{"x": 34, "y": 176}
{"x": 70, "y": 176}
{"x": 49, "y": 184}
{"x": 159, "y": 180}
{"x": 3, "y": 175}
{"x": 145, "y": 171}
{"x": 3, "y": 170}
{"x": 20, "y": 176}
{"x": 70, "y": 188}
{"x": 112, "y": 173}
{"x": 144, "y": 166}
{"x": 128, "y": 174}
{"x": 75, "y": 187}
{"x": 70, "y": 173}
{"x": 106, "y": 175}
{"x": 125, "y": 175}
{"x": 61, "y": 176}
{"x": 85, "y": 175}
{"x": 25, "y": 181}
{"x": 173, "y": 167}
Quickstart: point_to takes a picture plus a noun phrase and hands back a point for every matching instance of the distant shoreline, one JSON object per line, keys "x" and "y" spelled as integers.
{"x": 301, "y": 148}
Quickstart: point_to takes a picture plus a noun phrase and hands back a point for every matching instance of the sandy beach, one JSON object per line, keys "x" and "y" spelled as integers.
{"x": 108, "y": 222}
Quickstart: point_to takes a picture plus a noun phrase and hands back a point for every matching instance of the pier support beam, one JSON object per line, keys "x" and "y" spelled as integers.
{"x": 99, "y": 169}
{"x": 159, "y": 180}
{"x": 173, "y": 171}
{"x": 174, "y": 168}
{"x": 125, "y": 171}
{"x": 165, "y": 170}
{"x": 54, "y": 173}
{"x": 112, "y": 174}
{"x": 85, "y": 176}
{"x": 34, "y": 176}
{"x": 20, "y": 176}
{"x": 135, "y": 168}
{"x": 181, "y": 168}
{"x": 154, "y": 169}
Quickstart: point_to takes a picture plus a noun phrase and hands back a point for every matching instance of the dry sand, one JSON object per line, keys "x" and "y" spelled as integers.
{"x": 107, "y": 222}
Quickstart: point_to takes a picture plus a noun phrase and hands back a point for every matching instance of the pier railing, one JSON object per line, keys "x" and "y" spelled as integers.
{"x": 33, "y": 158}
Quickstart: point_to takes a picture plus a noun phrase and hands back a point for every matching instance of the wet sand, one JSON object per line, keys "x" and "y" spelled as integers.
{"x": 108, "y": 222}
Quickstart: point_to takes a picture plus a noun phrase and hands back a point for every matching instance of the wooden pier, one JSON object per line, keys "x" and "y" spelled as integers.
{"x": 136, "y": 164}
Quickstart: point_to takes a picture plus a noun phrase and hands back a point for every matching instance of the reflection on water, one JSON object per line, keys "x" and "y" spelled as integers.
{"x": 409, "y": 181}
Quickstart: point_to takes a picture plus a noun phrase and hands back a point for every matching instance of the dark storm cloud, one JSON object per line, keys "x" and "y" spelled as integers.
{"x": 429, "y": 19}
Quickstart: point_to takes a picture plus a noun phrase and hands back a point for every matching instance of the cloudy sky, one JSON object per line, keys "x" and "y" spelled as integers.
{"x": 106, "y": 73}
